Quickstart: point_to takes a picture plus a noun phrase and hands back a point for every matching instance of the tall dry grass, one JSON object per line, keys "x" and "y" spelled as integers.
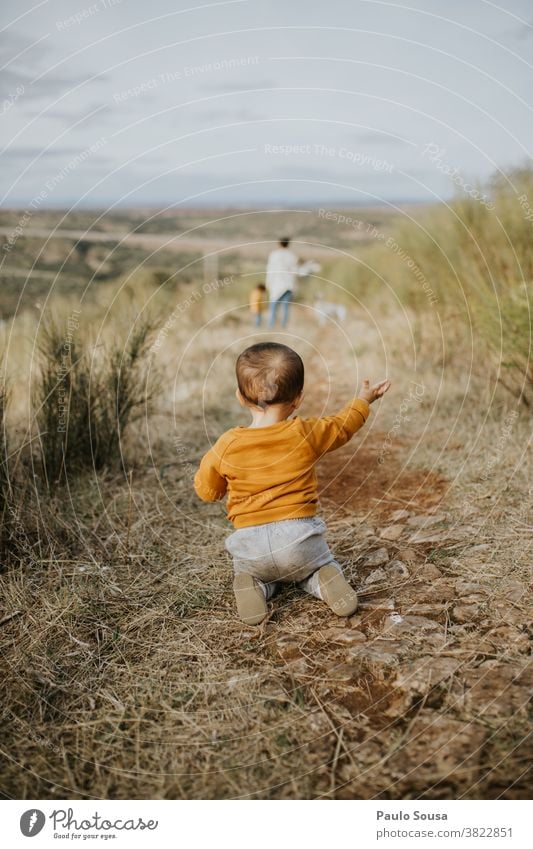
{"x": 467, "y": 266}
{"x": 6, "y": 489}
{"x": 18, "y": 526}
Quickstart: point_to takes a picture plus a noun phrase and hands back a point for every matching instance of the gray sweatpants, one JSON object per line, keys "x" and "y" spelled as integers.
{"x": 290, "y": 550}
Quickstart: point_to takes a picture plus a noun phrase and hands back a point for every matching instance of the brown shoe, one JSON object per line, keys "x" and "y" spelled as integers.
{"x": 336, "y": 591}
{"x": 250, "y": 598}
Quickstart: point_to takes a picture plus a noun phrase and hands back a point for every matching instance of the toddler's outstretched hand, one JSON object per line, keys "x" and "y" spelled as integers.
{"x": 372, "y": 393}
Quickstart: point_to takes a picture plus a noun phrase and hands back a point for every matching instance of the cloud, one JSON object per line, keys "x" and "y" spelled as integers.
{"x": 18, "y": 45}
{"x": 25, "y": 60}
{"x": 56, "y": 158}
{"x": 523, "y": 31}
{"x": 12, "y": 78}
{"x": 383, "y": 138}
{"x": 32, "y": 152}
{"x": 239, "y": 85}
{"x": 72, "y": 116}
{"x": 215, "y": 116}
{"x": 346, "y": 173}
{"x": 47, "y": 88}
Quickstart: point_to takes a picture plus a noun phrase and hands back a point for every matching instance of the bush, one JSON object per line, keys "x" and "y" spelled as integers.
{"x": 85, "y": 402}
{"x": 16, "y": 521}
{"x": 6, "y": 493}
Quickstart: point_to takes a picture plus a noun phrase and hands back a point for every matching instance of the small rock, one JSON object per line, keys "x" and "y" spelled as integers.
{"x": 375, "y": 577}
{"x": 430, "y": 536}
{"x": 410, "y": 625}
{"x": 428, "y": 572}
{"x": 426, "y": 672}
{"x": 469, "y": 588}
{"x": 393, "y": 532}
{"x": 377, "y": 557}
{"x": 512, "y": 614}
{"x": 424, "y": 609}
{"x": 288, "y": 649}
{"x": 299, "y": 666}
{"x": 344, "y": 672}
{"x": 378, "y": 604}
{"x": 380, "y": 653}
{"x": 505, "y": 636}
{"x": 397, "y": 570}
{"x": 409, "y": 556}
{"x": 396, "y": 618}
{"x": 418, "y": 678}
{"x": 347, "y": 638}
{"x": 355, "y": 637}
{"x": 400, "y": 515}
{"x": 432, "y": 592}
{"x": 426, "y": 521}
{"x": 466, "y": 612}
{"x": 355, "y": 621}
{"x": 477, "y": 548}
{"x": 514, "y": 590}
{"x": 338, "y": 625}
{"x": 435, "y": 639}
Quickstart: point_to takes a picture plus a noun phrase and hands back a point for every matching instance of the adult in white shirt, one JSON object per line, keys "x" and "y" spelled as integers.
{"x": 282, "y": 269}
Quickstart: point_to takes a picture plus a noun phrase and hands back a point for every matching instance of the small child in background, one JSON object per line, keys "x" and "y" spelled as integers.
{"x": 258, "y": 303}
{"x": 268, "y": 472}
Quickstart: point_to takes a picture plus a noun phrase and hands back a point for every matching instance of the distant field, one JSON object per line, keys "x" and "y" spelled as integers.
{"x": 66, "y": 252}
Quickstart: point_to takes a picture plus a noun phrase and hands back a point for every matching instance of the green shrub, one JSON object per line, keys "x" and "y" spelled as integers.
{"x": 16, "y": 520}
{"x": 6, "y": 493}
{"x": 85, "y": 402}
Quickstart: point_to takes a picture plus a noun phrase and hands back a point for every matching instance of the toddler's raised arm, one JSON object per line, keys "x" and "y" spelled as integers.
{"x": 330, "y": 432}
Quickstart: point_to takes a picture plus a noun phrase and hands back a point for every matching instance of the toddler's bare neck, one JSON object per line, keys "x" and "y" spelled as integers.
{"x": 273, "y": 414}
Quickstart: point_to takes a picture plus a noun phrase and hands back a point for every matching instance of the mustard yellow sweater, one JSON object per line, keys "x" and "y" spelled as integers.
{"x": 269, "y": 472}
{"x": 257, "y": 301}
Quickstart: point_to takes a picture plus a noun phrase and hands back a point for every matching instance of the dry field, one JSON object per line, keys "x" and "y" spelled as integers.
{"x": 126, "y": 671}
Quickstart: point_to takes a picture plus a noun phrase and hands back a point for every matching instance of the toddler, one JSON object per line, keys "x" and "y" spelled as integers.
{"x": 258, "y": 303}
{"x": 268, "y": 473}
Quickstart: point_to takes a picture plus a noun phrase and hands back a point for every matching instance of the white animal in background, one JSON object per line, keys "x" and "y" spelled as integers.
{"x": 310, "y": 266}
{"x": 326, "y": 309}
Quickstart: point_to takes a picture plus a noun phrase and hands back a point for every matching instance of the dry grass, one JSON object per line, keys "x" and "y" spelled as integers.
{"x": 128, "y": 675}
{"x": 464, "y": 269}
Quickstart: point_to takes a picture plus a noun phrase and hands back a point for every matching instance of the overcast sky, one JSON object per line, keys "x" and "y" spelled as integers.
{"x": 253, "y": 102}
